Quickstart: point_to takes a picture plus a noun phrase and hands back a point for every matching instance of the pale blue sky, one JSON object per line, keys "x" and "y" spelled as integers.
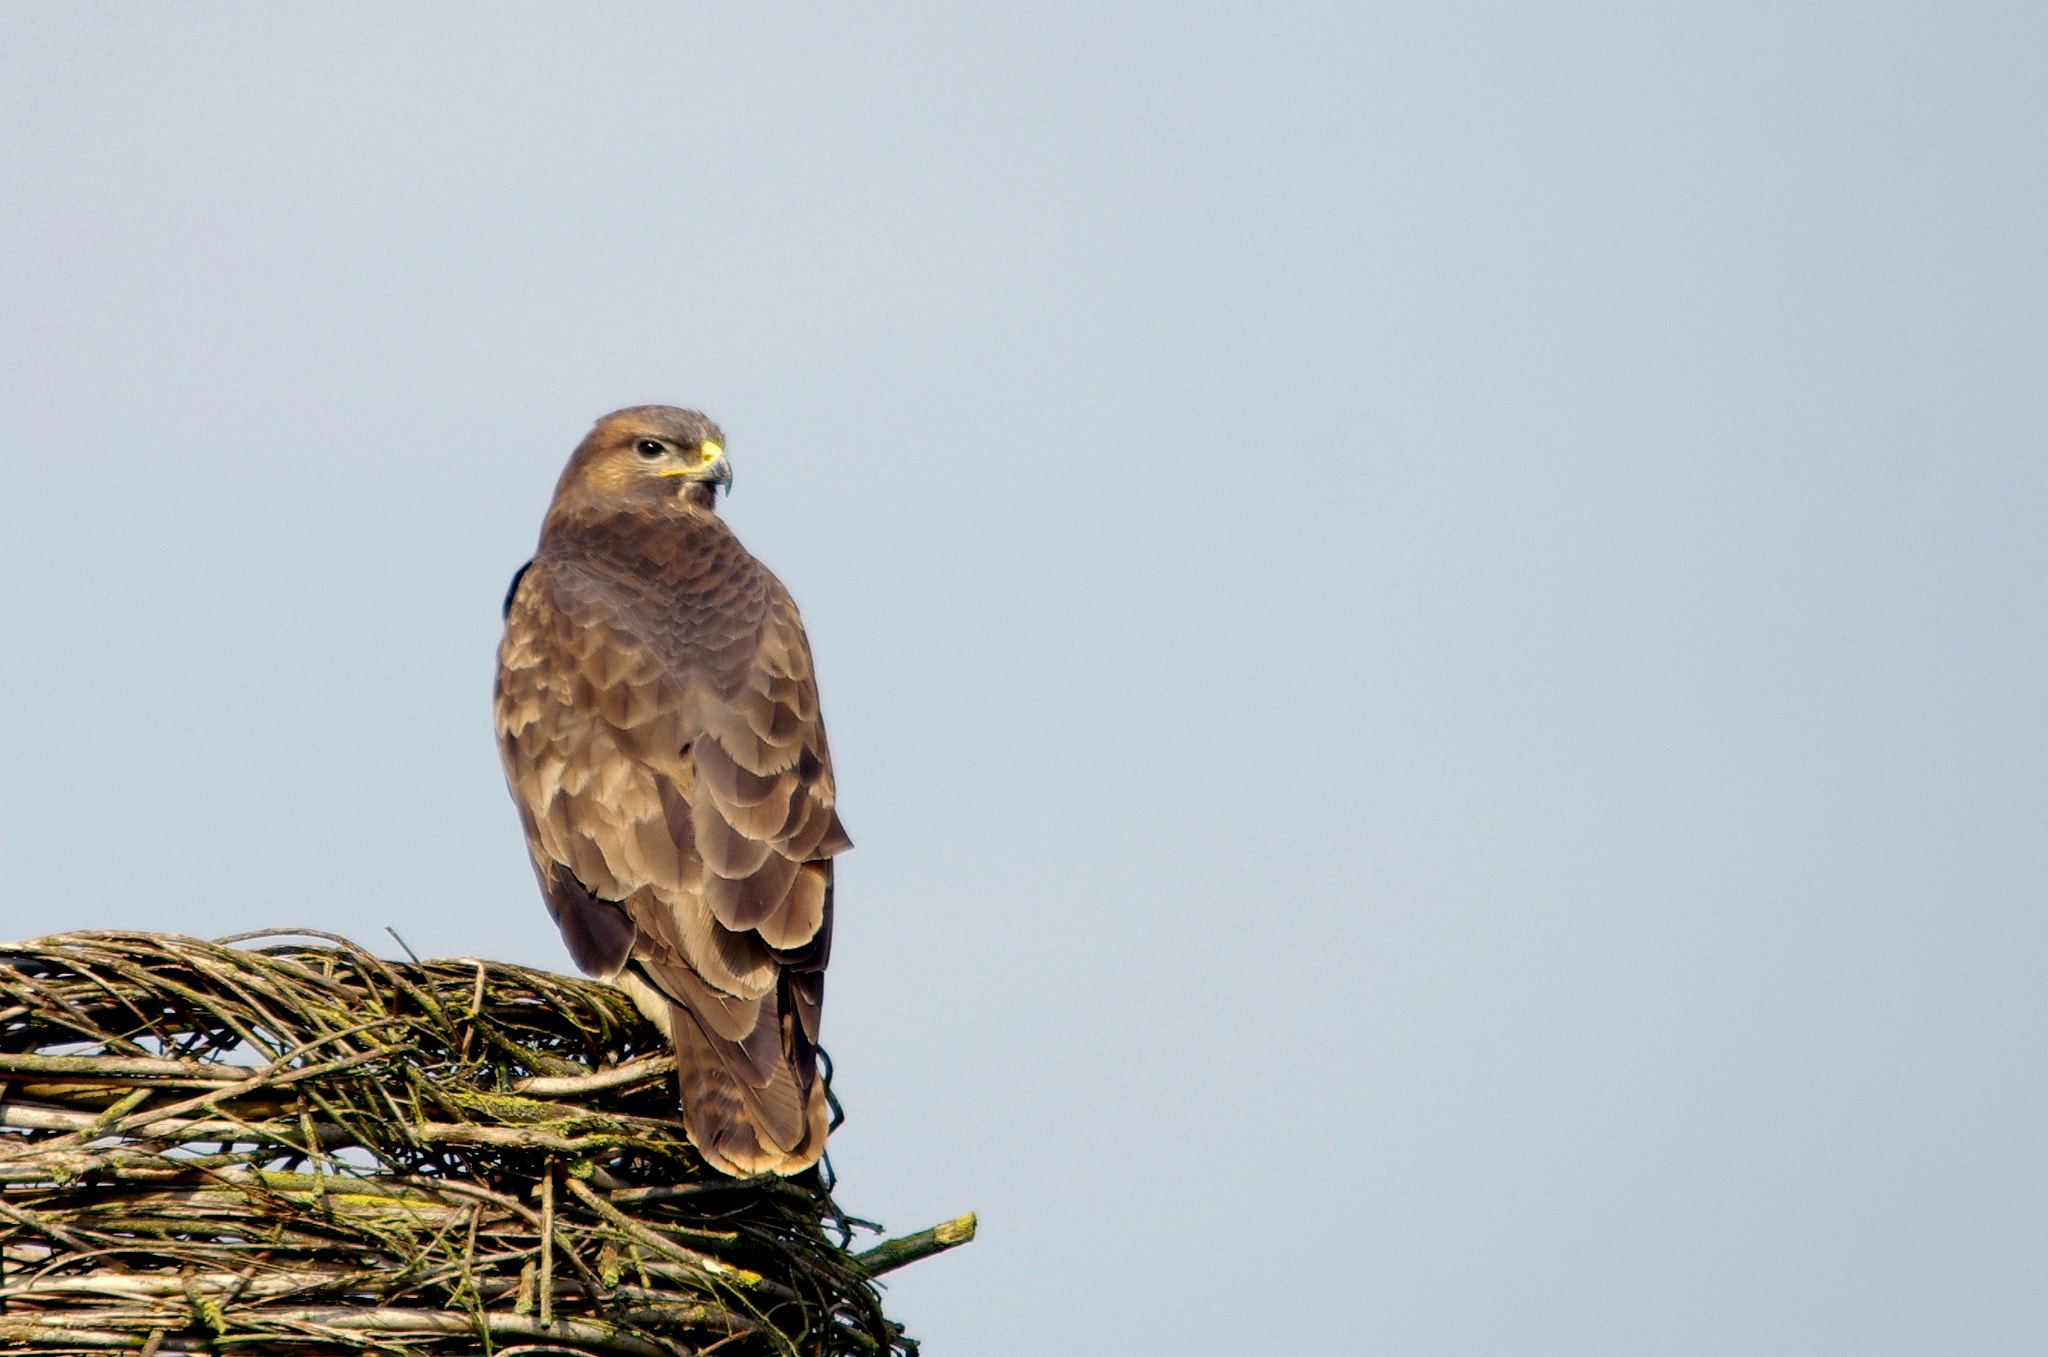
{"x": 1431, "y": 615}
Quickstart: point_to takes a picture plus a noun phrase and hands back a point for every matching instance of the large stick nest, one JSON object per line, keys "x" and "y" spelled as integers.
{"x": 305, "y": 1149}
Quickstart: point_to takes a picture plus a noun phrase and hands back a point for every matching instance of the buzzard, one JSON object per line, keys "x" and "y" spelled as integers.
{"x": 659, "y": 726}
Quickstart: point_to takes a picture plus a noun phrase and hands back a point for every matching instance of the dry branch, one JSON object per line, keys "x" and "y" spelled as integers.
{"x": 894, "y": 1253}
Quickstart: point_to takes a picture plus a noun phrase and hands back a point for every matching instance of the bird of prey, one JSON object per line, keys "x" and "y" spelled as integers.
{"x": 660, "y": 731}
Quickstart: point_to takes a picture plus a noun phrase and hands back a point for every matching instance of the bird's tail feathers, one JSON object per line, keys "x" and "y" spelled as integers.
{"x": 741, "y": 1126}
{"x": 740, "y": 1129}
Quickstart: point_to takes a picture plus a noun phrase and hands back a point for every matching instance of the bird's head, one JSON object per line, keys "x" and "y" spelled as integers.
{"x": 649, "y": 453}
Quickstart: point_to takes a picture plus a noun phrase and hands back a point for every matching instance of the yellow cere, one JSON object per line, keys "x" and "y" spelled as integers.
{"x": 712, "y": 452}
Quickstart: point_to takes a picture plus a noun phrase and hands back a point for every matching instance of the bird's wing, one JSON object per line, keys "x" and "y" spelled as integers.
{"x": 666, "y": 752}
{"x": 583, "y": 715}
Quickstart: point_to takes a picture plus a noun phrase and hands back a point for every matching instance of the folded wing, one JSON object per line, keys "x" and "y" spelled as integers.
{"x": 664, "y": 746}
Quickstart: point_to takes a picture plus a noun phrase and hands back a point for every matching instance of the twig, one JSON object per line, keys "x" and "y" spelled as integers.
{"x": 547, "y": 1245}
{"x": 661, "y": 1243}
{"x": 21, "y": 1215}
{"x": 557, "y": 1086}
{"x": 894, "y": 1253}
{"x": 403, "y": 943}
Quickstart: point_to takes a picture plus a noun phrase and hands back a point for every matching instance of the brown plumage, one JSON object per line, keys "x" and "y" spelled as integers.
{"x": 660, "y": 730}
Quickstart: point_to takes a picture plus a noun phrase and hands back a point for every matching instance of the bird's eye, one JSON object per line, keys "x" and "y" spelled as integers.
{"x": 648, "y": 447}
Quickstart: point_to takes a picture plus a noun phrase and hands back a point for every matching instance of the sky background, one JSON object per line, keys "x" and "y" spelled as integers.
{"x": 1431, "y": 616}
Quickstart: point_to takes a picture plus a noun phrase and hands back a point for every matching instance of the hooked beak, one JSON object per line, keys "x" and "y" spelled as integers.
{"x": 714, "y": 470}
{"x": 718, "y": 471}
